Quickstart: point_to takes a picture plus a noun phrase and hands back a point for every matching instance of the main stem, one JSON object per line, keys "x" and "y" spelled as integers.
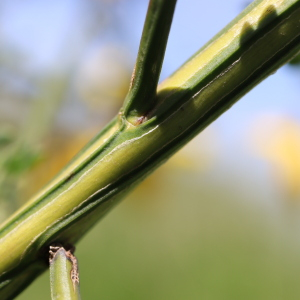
{"x": 264, "y": 37}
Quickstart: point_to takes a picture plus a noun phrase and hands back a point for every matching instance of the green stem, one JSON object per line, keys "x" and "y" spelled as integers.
{"x": 144, "y": 80}
{"x": 264, "y": 37}
{"x": 64, "y": 277}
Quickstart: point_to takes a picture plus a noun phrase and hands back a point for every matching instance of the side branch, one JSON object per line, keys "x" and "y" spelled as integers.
{"x": 64, "y": 276}
{"x": 141, "y": 95}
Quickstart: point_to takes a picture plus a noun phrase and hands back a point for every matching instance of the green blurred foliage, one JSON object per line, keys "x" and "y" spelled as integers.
{"x": 5, "y": 139}
{"x": 21, "y": 161}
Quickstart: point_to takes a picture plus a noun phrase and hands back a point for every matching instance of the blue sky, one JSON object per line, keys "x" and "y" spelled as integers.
{"x": 39, "y": 27}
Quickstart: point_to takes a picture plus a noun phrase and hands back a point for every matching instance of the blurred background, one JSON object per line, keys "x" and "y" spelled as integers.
{"x": 220, "y": 220}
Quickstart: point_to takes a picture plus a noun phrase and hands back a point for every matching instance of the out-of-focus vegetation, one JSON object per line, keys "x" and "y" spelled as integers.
{"x": 209, "y": 224}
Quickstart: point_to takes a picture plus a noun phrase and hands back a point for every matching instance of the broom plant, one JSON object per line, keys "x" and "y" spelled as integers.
{"x": 154, "y": 122}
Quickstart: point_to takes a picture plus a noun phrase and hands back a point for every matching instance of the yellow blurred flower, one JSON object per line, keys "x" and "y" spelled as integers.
{"x": 59, "y": 150}
{"x": 277, "y": 139}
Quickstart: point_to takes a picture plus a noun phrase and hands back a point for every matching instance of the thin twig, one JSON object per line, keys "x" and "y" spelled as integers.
{"x": 144, "y": 80}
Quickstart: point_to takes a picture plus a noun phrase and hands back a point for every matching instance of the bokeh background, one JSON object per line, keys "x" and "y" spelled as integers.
{"x": 220, "y": 220}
